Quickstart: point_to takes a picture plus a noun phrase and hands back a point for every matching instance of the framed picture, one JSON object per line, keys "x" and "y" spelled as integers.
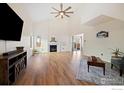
{"x": 53, "y": 39}
{"x": 102, "y": 34}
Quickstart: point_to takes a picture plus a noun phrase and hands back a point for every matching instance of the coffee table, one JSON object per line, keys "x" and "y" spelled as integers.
{"x": 98, "y": 63}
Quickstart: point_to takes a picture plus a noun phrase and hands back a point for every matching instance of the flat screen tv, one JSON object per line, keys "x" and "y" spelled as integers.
{"x": 10, "y": 24}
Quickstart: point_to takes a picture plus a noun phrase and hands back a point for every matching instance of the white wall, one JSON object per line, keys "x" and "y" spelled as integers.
{"x": 115, "y": 40}
{"x": 93, "y": 45}
{"x": 2, "y": 46}
{"x": 54, "y": 28}
{"x": 96, "y": 46}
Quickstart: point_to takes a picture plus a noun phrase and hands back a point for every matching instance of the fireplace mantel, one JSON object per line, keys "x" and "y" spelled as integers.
{"x": 53, "y": 43}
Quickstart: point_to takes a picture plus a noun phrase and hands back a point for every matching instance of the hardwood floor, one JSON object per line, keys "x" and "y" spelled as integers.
{"x": 52, "y": 69}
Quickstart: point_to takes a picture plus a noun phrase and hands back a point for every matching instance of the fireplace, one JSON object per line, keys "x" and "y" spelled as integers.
{"x": 53, "y": 48}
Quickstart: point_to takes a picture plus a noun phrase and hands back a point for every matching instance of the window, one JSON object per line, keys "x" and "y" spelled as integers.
{"x": 38, "y": 41}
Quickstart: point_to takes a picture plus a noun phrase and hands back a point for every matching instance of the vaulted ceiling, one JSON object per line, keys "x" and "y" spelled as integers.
{"x": 41, "y": 11}
{"x": 85, "y": 11}
{"x": 100, "y": 20}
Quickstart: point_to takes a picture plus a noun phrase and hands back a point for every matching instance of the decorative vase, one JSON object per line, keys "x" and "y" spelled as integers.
{"x": 20, "y": 48}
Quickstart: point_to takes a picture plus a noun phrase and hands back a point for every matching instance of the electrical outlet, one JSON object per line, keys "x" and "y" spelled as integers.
{"x": 101, "y": 54}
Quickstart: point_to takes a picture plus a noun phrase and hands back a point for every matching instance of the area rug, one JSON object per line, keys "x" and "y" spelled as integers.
{"x": 95, "y": 74}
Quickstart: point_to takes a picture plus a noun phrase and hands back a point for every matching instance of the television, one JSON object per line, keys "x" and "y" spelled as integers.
{"x": 10, "y": 24}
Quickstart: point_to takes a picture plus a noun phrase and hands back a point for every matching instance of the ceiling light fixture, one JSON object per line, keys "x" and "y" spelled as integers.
{"x": 62, "y": 12}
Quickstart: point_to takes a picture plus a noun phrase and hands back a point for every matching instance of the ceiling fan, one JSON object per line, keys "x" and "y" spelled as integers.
{"x": 62, "y": 12}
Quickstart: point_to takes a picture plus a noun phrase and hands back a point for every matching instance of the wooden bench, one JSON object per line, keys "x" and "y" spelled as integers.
{"x": 96, "y": 61}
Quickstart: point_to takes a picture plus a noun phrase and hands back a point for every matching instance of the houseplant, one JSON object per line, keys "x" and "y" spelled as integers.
{"x": 117, "y": 52}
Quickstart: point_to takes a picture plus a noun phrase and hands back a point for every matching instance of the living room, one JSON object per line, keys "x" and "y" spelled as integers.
{"x": 41, "y": 29}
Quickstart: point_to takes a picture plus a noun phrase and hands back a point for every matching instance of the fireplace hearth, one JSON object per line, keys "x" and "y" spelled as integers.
{"x": 53, "y": 48}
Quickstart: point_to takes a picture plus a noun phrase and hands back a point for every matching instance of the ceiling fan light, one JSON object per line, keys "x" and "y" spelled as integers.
{"x": 61, "y": 13}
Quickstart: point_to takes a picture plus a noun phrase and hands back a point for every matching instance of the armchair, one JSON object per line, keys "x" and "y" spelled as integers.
{"x": 118, "y": 62}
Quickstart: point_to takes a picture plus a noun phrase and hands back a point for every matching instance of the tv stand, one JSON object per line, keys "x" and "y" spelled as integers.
{"x": 10, "y": 53}
{"x": 11, "y": 66}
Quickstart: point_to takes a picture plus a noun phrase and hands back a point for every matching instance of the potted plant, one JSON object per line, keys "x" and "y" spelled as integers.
{"x": 117, "y": 52}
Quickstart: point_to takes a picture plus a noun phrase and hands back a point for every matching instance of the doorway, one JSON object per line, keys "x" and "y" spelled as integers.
{"x": 77, "y": 42}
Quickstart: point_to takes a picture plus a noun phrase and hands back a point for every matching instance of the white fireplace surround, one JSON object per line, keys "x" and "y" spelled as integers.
{"x": 54, "y": 43}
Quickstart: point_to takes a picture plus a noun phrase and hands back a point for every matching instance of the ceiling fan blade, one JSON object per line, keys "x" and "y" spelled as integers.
{"x": 61, "y": 6}
{"x": 54, "y": 12}
{"x": 70, "y": 12}
{"x": 55, "y": 9}
{"x": 67, "y": 15}
{"x": 57, "y": 15}
{"x": 67, "y": 8}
